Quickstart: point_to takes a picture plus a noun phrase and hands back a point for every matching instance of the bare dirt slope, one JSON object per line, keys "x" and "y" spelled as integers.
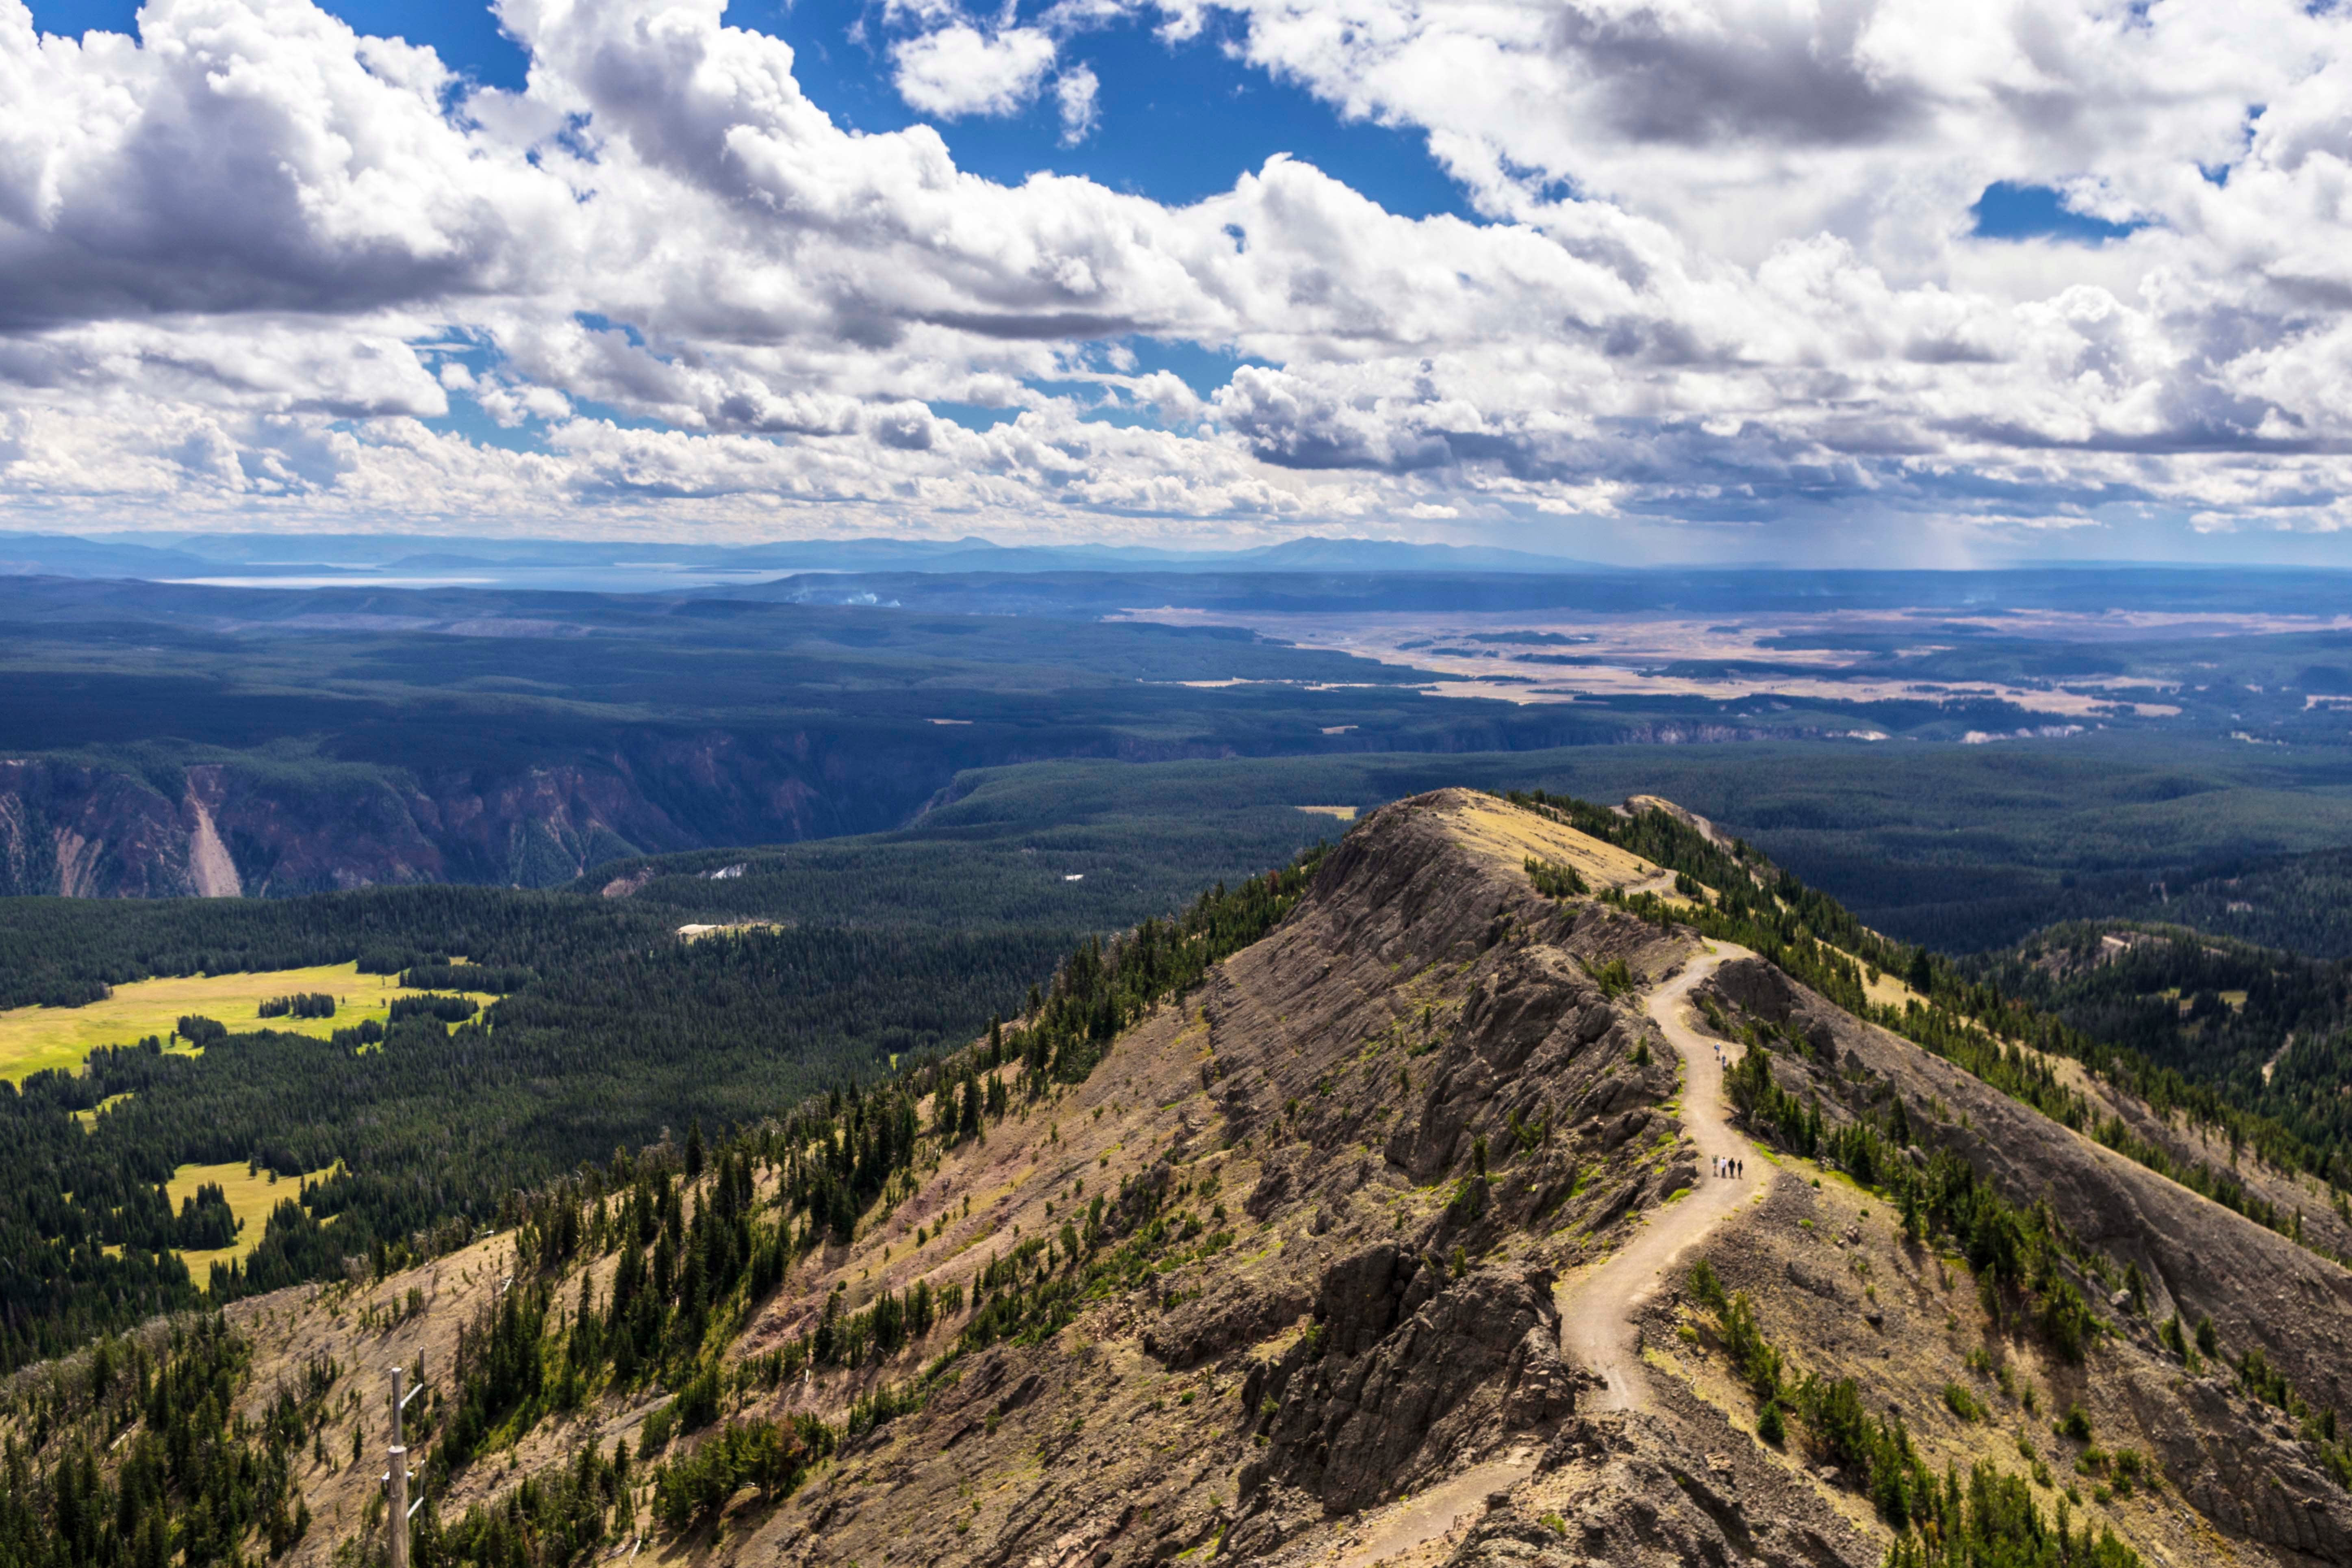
{"x": 1375, "y": 1144}
{"x": 2243, "y": 1466}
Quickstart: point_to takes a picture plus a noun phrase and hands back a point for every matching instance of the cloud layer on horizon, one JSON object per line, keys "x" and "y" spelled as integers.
{"x": 1725, "y": 276}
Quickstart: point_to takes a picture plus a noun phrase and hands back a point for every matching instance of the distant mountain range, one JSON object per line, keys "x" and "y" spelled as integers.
{"x": 974, "y": 575}
{"x": 1462, "y": 576}
{"x": 635, "y": 564}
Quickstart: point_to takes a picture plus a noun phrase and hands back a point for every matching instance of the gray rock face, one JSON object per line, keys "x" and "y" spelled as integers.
{"x": 2262, "y": 1484}
{"x": 1674, "y": 1178}
{"x": 1210, "y": 1327}
{"x": 1641, "y": 1499}
{"x": 1403, "y": 1371}
{"x": 1627, "y": 1126}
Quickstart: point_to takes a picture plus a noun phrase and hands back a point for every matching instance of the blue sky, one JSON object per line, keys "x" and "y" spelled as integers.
{"x": 1770, "y": 290}
{"x": 2007, "y": 210}
{"x": 1184, "y": 120}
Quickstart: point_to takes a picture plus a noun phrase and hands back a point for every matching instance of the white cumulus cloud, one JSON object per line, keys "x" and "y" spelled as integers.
{"x": 1076, "y": 92}
{"x": 959, "y": 69}
{"x": 1725, "y": 276}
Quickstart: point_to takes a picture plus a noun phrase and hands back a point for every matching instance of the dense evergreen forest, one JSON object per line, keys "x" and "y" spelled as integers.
{"x": 1961, "y": 848}
{"x": 2302, "y": 903}
{"x": 2266, "y": 1030}
{"x": 201, "y": 1485}
{"x": 614, "y": 1029}
{"x": 61, "y": 953}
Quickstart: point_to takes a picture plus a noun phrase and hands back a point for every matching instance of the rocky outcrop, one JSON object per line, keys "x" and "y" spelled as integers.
{"x": 1640, "y": 1495}
{"x": 1405, "y": 1370}
{"x": 89, "y": 832}
{"x": 1529, "y": 1027}
{"x": 2247, "y": 1470}
{"x": 209, "y": 830}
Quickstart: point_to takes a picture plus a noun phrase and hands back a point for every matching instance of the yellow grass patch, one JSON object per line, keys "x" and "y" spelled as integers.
{"x": 1337, "y": 812}
{"x": 1887, "y": 991}
{"x": 251, "y": 1195}
{"x": 88, "y": 1119}
{"x": 32, "y": 1039}
{"x": 1512, "y": 835}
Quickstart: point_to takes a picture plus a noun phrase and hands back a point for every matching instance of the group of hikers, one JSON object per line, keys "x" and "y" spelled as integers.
{"x": 1726, "y": 1167}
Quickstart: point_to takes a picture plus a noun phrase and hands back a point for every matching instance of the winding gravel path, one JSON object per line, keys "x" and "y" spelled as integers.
{"x": 1597, "y": 1307}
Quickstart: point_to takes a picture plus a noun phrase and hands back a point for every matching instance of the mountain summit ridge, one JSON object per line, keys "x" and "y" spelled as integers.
{"x": 1294, "y": 1273}
{"x": 1379, "y": 1066}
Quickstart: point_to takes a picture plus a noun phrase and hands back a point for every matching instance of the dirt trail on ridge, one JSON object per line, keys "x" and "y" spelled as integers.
{"x": 1433, "y": 1514}
{"x": 1596, "y": 1308}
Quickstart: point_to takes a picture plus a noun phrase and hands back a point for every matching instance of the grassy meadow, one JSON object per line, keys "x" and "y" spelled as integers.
{"x": 32, "y": 1039}
{"x": 88, "y": 1119}
{"x": 251, "y": 1194}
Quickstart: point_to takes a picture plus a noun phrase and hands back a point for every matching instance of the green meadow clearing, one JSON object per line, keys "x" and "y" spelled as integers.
{"x": 32, "y": 1039}
{"x": 251, "y": 1195}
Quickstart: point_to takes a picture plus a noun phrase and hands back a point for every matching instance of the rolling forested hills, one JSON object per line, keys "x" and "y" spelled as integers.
{"x": 1319, "y": 1220}
{"x": 1963, "y": 848}
{"x": 2302, "y": 903}
{"x": 183, "y": 738}
{"x": 2268, "y": 1030}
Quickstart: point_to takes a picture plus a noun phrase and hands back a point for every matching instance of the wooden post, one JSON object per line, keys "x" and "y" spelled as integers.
{"x": 397, "y": 1476}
